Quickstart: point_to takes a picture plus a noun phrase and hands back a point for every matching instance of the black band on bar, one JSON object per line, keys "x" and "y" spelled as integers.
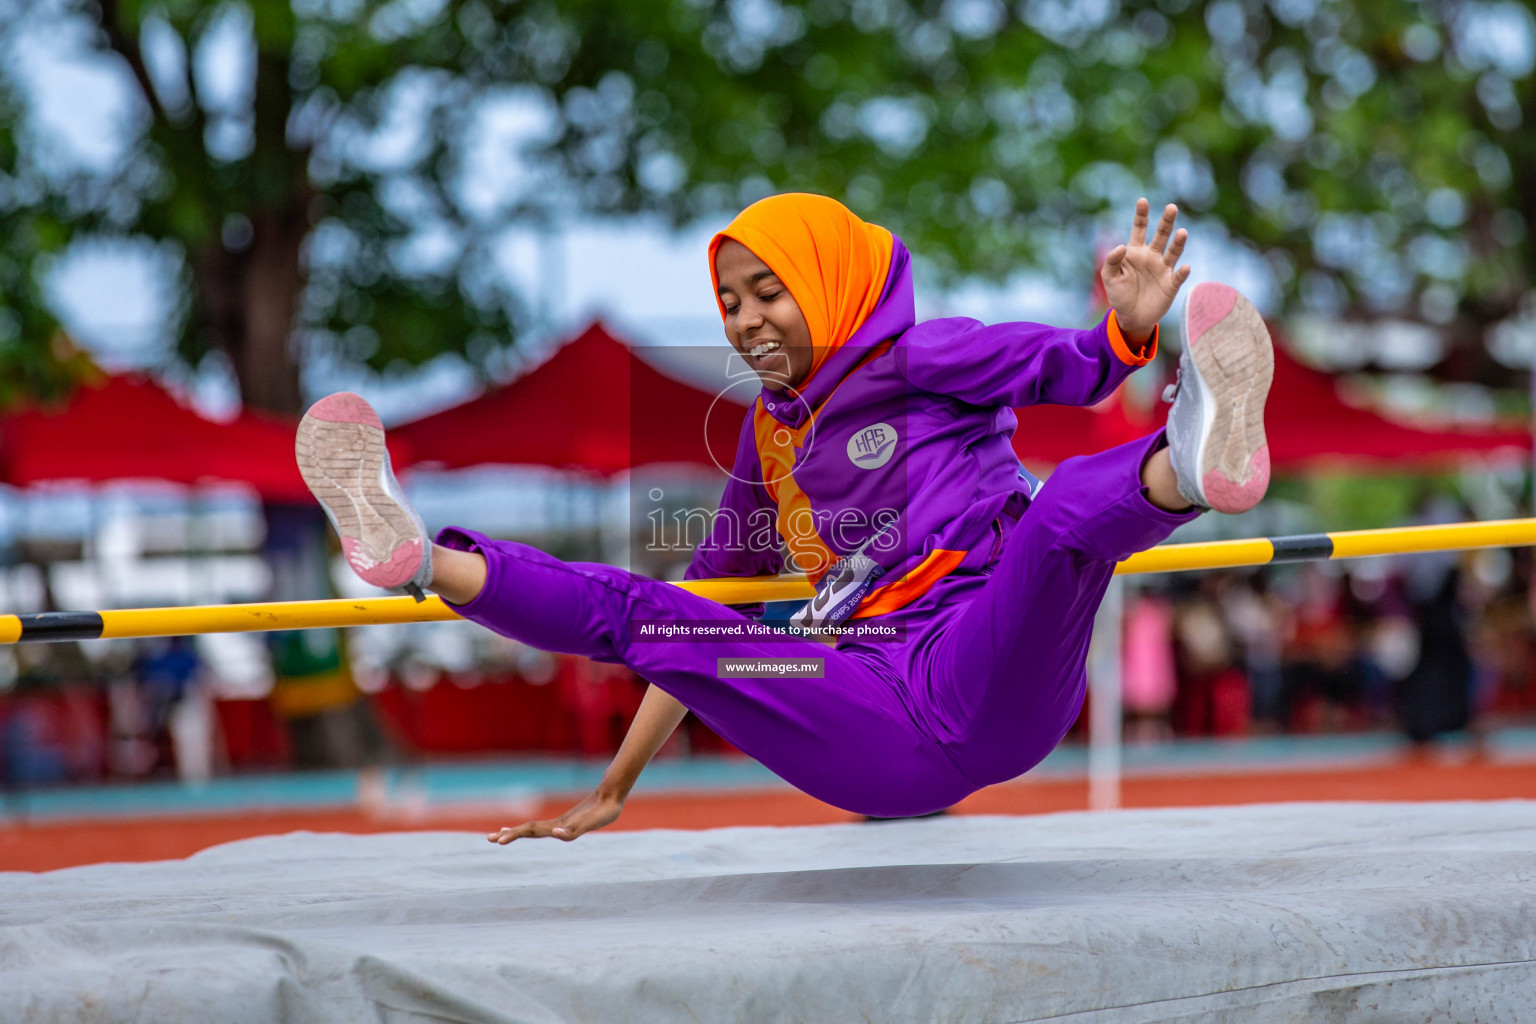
{"x": 1308, "y": 547}
{"x": 49, "y": 627}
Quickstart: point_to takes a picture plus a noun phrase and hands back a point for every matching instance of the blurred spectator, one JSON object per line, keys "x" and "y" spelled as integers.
{"x": 53, "y": 723}
{"x": 330, "y": 725}
{"x": 1324, "y": 676}
{"x": 1262, "y": 625}
{"x": 1213, "y": 692}
{"x": 1387, "y": 643}
{"x": 32, "y": 750}
{"x": 1150, "y": 680}
{"x": 1436, "y": 697}
{"x": 1504, "y": 645}
{"x": 166, "y": 671}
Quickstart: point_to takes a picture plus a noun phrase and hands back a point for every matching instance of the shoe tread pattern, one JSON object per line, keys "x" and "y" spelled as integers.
{"x": 342, "y": 462}
{"x": 1233, "y": 353}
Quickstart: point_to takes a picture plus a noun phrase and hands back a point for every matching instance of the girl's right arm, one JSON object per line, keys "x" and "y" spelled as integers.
{"x": 1016, "y": 364}
{"x": 742, "y": 542}
{"x": 658, "y": 716}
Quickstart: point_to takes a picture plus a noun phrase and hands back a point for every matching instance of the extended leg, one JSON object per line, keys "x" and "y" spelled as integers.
{"x": 846, "y": 738}
{"x": 1007, "y": 680}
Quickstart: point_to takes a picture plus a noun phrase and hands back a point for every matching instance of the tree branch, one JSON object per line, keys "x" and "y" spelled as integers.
{"x": 128, "y": 49}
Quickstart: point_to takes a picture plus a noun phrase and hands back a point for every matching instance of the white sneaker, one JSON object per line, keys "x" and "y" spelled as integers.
{"x": 342, "y": 457}
{"x": 1216, "y": 426}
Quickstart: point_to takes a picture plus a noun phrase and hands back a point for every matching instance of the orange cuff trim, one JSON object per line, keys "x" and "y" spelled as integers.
{"x": 1117, "y": 341}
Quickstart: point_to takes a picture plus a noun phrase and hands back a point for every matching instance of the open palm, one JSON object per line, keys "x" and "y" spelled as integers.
{"x": 1141, "y": 278}
{"x": 594, "y": 812}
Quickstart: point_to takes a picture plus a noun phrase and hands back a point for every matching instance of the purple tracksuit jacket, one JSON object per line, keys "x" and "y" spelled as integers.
{"x": 916, "y": 442}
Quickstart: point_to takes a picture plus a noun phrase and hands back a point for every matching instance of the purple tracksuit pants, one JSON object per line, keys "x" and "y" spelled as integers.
{"x": 987, "y": 679}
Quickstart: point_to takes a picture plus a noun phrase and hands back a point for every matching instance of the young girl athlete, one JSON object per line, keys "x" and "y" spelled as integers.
{"x": 990, "y": 578}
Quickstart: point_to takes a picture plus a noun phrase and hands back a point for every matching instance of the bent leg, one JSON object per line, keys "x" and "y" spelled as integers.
{"x": 1007, "y": 681}
{"x": 846, "y": 738}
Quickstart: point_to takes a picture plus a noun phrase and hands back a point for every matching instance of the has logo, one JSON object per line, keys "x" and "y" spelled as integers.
{"x": 873, "y": 446}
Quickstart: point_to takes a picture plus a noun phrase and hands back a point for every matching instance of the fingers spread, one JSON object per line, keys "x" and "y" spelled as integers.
{"x": 1139, "y": 224}
{"x": 1164, "y": 227}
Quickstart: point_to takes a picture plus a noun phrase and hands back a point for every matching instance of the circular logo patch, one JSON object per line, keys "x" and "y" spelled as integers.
{"x": 873, "y": 446}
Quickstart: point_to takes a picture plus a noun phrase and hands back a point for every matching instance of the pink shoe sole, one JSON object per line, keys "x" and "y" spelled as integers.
{"x": 1209, "y": 303}
{"x": 342, "y": 457}
{"x": 1232, "y": 352}
{"x": 345, "y": 407}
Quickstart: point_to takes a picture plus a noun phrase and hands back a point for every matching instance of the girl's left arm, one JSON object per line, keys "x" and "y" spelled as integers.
{"x": 1018, "y": 364}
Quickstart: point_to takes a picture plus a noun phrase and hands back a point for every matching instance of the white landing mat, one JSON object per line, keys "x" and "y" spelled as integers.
{"x": 1316, "y": 912}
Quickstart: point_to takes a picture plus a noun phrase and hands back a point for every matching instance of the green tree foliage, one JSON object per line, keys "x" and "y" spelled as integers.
{"x": 33, "y": 224}
{"x": 1374, "y": 152}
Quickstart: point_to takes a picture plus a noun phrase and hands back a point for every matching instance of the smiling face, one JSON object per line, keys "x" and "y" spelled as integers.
{"x": 762, "y": 320}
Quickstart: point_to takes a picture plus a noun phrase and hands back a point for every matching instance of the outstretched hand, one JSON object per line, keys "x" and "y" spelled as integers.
{"x": 1141, "y": 278}
{"x": 591, "y": 814}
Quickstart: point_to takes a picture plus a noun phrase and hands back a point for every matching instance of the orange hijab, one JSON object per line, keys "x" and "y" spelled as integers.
{"x": 833, "y": 263}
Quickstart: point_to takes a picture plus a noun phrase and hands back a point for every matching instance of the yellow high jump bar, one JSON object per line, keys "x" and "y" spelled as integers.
{"x": 252, "y": 618}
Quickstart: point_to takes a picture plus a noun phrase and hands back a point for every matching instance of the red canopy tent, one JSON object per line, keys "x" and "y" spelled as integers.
{"x": 575, "y": 412}
{"x": 130, "y": 427}
{"x": 1050, "y": 434}
{"x": 1309, "y": 427}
